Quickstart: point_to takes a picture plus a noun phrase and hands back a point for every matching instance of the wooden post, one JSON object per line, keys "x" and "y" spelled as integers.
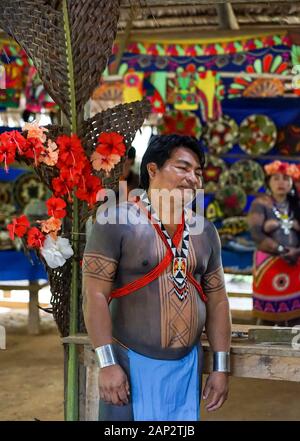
{"x": 227, "y": 18}
{"x": 71, "y": 408}
{"x": 33, "y": 313}
{"x": 92, "y": 391}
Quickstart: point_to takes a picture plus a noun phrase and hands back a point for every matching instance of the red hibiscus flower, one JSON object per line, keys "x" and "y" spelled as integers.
{"x": 56, "y": 207}
{"x": 7, "y": 155}
{"x": 35, "y": 238}
{"x": 70, "y": 150}
{"x": 34, "y": 148}
{"x": 88, "y": 192}
{"x": 87, "y": 168}
{"x": 15, "y": 140}
{"x": 72, "y": 173}
{"x": 18, "y": 227}
{"x": 111, "y": 144}
{"x": 62, "y": 186}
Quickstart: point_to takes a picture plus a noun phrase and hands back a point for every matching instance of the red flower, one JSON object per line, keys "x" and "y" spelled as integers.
{"x": 71, "y": 173}
{"x": 34, "y": 148}
{"x": 15, "y": 140}
{"x": 70, "y": 150}
{"x": 283, "y": 167}
{"x": 111, "y": 144}
{"x": 88, "y": 192}
{"x": 87, "y": 168}
{"x": 35, "y": 238}
{"x": 7, "y": 155}
{"x": 62, "y": 186}
{"x": 18, "y": 227}
{"x": 56, "y": 207}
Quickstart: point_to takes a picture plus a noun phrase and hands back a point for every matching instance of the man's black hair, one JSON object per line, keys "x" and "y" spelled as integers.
{"x": 160, "y": 149}
{"x": 131, "y": 153}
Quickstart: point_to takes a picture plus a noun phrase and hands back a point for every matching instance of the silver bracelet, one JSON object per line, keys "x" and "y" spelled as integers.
{"x": 105, "y": 356}
{"x": 221, "y": 362}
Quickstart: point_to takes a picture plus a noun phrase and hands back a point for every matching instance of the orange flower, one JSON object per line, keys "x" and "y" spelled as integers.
{"x": 284, "y": 168}
{"x": 106, "y": 163}
{"x": 294, "y": 171}
{"x": 274, "y": 167}
{"x": 50, "y": 225}
{"x": 49, "y": 156}
{"x": 35, "y": 131}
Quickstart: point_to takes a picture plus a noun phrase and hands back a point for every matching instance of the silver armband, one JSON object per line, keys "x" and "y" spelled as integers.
{"x": 105, "y": 356}
{"x": 221, "y": 362}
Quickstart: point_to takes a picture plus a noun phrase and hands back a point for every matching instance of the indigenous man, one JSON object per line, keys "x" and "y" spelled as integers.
{"x": 165, "y": 285}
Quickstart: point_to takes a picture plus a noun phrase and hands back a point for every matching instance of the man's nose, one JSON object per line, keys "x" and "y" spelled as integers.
{"x": 193, "y": 179}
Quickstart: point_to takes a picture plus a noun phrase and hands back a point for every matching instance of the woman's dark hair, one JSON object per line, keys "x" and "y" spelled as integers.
{"x": 160, "y": 149}
{"x": 292, "y": 197}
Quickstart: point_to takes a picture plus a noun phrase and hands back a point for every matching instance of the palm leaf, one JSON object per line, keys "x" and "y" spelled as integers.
{"x": 69, "y": 43}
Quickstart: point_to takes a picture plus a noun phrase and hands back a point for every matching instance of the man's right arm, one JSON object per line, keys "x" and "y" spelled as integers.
{"x": 99, "y": 267}
{"x": 113, "y": 382}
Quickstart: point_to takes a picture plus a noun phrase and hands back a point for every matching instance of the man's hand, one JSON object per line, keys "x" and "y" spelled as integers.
{"x": 113, "y": 385}
{"x": 216, "y": 390}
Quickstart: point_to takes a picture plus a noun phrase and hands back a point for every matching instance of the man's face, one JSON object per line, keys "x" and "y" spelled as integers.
{"x": 181, "y": 171}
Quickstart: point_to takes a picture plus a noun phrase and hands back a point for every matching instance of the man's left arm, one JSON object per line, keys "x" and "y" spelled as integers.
{"x": 218, "y": 327}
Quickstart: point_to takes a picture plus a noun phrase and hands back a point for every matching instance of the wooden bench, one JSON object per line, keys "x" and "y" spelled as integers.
{"x": 33, "y": 310}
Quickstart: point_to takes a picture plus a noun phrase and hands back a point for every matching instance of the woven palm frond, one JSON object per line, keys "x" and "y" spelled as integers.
{"x": 40, "y": 27}
{"x": 94, "y": 26}
{"x": 60, "y": 282}
{"x": 125, "y": 119}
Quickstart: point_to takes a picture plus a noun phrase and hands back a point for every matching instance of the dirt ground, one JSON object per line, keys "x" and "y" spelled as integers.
{"x": 31, "y": 386}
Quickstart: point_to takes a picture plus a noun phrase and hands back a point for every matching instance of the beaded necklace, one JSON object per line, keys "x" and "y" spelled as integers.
{"x": 286, "y": 220}
{"x": 179, "y": 266}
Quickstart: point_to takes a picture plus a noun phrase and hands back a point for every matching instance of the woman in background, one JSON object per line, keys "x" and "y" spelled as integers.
{"x": 274, "y": 221}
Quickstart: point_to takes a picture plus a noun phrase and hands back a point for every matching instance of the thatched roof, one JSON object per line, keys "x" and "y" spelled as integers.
{"x": 165, "y": 16}
{"x": 201, "y": 18}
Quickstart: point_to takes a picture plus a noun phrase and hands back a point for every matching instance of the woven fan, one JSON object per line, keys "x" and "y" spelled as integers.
{"x": 60, "y": 37}
{"x": 265, "y": 88}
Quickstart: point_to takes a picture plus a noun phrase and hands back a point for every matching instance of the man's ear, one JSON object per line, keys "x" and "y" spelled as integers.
{"x": 152, "y": 169}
